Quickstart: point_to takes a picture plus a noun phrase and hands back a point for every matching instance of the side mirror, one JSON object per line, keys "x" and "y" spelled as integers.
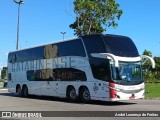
{"x": 149, "y": 58}
{"x": 107, "y": 55}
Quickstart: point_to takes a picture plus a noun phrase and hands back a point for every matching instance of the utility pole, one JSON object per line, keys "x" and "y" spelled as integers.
{"x": 19, "y": 3}
{"x": 63, "y": 33}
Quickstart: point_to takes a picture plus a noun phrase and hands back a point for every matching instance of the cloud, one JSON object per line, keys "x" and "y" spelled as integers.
{"x": 2, "y": 65}
{"x": 4, "y": 53}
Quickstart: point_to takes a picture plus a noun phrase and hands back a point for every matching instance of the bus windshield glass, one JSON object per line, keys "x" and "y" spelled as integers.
{"x": 128, "y": 73}
{"x": 115, "y": 45}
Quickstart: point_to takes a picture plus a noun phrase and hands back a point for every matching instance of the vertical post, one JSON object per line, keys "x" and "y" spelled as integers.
{"x": 19, "y": 4}
{"x": 63, "y": 34}
{"x": 17, "y": 42}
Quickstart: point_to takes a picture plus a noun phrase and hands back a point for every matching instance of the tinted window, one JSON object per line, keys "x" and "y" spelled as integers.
{"x": 120, "y": 46}
{"x": 62, "y": 74}
{"x": 9, "y": 77}
{"x": 94, "y": 44}
{"x": 71, "y": 48}
{"x": 27, "y": 55}
{"x": 31, "y": 54}
{"x": 11, "y": 58}
{"x": 100, "y": 67}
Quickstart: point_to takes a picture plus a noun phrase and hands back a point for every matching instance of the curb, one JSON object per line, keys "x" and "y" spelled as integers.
{"x": 152, "y": 98}
{"x": 3, "y": 89}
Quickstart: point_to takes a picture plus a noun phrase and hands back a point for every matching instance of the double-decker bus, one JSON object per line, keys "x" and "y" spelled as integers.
{"x": 93, "y": 67}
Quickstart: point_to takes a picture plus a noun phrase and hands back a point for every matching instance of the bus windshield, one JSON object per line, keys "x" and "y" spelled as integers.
{"x": 128, "y": 73}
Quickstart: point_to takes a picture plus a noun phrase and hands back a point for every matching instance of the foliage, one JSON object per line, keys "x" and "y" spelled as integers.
{"x": 149, "y": 77}
{"x": 3, "y": 73}
{"x": 147, "y": 63}
{"x": 94, "y": 16}
{"x": 148, "y": 72}
{"x": 1, "y": 80}
{"x": 147, "y": 52}
{"x": 157, "y": 68}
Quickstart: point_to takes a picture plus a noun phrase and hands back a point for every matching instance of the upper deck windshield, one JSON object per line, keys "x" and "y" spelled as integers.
{"x": 117, "y": 45}
{"x": 120, "y": 46}
{"x": 127, "y": 74}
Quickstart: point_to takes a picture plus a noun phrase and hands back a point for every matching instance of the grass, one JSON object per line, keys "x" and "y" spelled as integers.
{"x": 152, "y": 90}
{"x": 1, "y": 80}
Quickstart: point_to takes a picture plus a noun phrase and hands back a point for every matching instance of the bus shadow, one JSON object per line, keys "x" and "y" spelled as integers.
{"x": 93, "y": 102}
{"x": 8, "y": 94}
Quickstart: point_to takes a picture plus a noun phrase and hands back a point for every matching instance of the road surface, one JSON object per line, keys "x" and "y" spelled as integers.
{"x": 10, "y": 102}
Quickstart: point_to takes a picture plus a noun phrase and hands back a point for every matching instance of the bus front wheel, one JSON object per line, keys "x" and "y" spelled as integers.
{"x": 85, "y": 95}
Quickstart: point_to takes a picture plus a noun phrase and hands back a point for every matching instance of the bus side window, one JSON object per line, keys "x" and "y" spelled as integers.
{"x": 9, "y": 77}
{"x": 71, "y": 48}
{"x": 100, "y": 67}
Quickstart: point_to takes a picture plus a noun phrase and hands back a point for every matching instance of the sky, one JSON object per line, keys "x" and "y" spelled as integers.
{"x": 42, "y": 21}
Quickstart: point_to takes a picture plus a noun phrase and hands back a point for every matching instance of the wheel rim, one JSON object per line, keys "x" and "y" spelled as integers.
{"x": 86, "y": 95}
{"x": 73, "y": 94}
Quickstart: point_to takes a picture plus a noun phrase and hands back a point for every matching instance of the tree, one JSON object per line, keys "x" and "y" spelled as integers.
{"x": 148, "y": 73}
{"x": 147, "y": 63}
{"x": 157, "y": 61}
{"x": 147, "y": 52}
{"x": 157, "y": 68}
{"x": 3, "y": 72}
{"x": 149, "y": 76}
{"x": 94, "y": 16}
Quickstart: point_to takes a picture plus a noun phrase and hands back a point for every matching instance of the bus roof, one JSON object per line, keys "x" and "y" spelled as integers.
{"x": 70, "y": 39}
{"x": 57, "y": 41}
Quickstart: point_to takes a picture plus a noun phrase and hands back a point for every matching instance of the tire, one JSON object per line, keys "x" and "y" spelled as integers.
{"x": 71, "y": 94}
{"x": 85, "y": 95}
{"x": 19, "y": 91}
{"x": 25, "y": 92}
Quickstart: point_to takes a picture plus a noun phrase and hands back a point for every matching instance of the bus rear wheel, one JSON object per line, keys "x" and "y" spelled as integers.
{"x": 25, "y": 92}
{"x": 19, "y": 91}
{"x": 71, "y": 94}
{"x": 85, "y": 95}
